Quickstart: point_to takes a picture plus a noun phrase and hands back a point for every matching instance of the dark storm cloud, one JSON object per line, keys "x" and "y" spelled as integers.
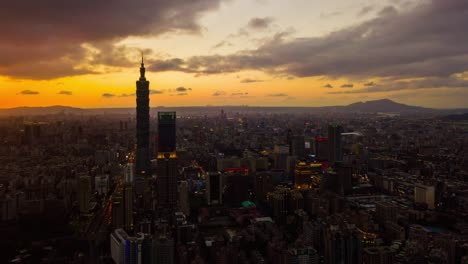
{"x": 247, "y": 80}
{"x": 44, "y": 39}
{"x": 429, "y": 40}
{"x": 108, "y": 95}
{"x": 258, "y": 23}
{"x": 65, "y": 93}
{"x": 347, "y": 85}
{"x": 29, "y": 92}
{"x": 329, "y": 86}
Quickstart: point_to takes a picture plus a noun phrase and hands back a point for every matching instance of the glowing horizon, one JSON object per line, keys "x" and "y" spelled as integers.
{"x": 256, "y": 53}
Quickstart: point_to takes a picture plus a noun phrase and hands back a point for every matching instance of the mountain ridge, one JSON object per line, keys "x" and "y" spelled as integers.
{"x": 372, "y": 106}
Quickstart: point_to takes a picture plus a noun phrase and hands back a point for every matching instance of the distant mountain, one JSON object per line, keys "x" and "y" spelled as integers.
{"x": 383, "y": 105}
{"x": 46, "y": 110}
{"x": 376, "y": 106}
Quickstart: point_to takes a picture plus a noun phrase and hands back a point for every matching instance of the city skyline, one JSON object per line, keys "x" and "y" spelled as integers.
{"x": 256, "y": 53}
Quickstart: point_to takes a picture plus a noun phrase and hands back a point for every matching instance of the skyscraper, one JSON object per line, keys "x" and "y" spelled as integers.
{"x": 167, "y": 161}
{"x": 167, "y": 131}
{"x": 142, "y": 112}
{"x": 334, "y": 143}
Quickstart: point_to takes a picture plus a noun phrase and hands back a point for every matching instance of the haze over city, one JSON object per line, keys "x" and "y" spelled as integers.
{"x": 234, "y": 52}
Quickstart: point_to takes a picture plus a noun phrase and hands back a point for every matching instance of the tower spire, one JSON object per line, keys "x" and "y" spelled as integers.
{"x": 142, "y": 69}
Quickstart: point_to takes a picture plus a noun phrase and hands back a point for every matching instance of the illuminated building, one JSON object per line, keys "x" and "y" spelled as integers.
{"x": 143, "y": 125}
{"x": 334, "y": 143}
{"x": 304, "y": 174}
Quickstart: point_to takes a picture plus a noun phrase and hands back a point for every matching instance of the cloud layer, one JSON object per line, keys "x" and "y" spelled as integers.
{"x": 45, "y": 39}
{"x": 427, "y": 41}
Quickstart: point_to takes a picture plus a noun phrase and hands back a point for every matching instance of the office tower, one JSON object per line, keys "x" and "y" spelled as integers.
{"x": 163, "y": 250}
{"x": 302, "y": 255}
{"x": 263, "y": 184}
{"x": 321, "y": 149}
{"x": 280, "y": 155}
{"x": 342, "y": 244}
{"x": 214, "y": 188}
{"x": 278, "y": 201}
{"x": 128, "y": 206}
{"x": 118, "y": 211}
{"x": 298, "y": 146}
{"x": 126, "y": 249}
{"x": 334, "y": 143}
{"x": 143, "y": 125}
{"x": 167, "y": 131}
{"x": 167, "y": 180}
{"x": 184, "y": 204}
{"x": 84, "y": 193}
{"x": 424, "y": 194}
{"x": 345, "y": 176}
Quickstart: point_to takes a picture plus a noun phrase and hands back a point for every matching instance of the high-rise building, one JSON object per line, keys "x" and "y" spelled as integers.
{"x": 280, "y": 156}
{"x": 126, "y": 249}
{"x": 164, "y": 250}
{"x": 184, "y": 204}
{"x": 128, "y": 206}
{"x": 167, "y": 131}
{"x": 302, "y": 255}
{"x": 334, "y": 143}
{"x": 167, "y": 180}
{"x": 84, "y": 193}
{"x": 298, "y": 146}
{"x": 214, "y": 188}
{"x": 143, "y": 124}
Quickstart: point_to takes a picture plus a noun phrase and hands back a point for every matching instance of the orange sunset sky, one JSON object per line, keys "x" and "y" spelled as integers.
{"x": 234, "y": 52}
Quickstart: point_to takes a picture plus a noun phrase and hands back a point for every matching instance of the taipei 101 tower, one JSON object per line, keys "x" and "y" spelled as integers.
{"x": 142, "y": 167}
